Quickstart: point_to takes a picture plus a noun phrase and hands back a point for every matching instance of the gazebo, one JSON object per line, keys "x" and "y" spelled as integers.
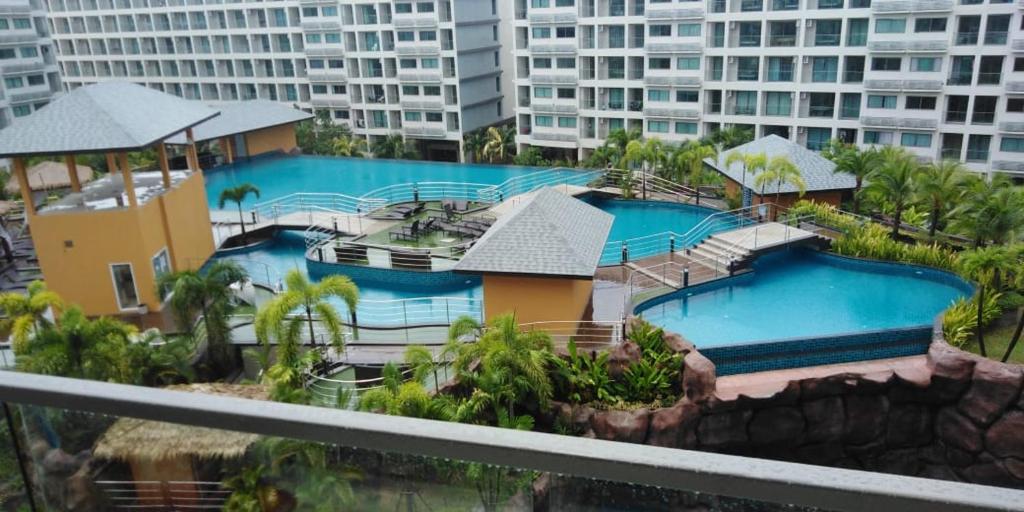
{"x": 539, "y": 259}
{"x": 50, "y": 175}
{"x": 103, "y": 245}
{"x": 249, "y": 128}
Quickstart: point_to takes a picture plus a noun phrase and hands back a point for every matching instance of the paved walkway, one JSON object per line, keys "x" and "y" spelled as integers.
{"x": 763, "y": 236}
{"x": 766, "y": 384}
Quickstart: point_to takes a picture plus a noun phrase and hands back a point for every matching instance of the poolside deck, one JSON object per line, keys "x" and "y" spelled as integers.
{"x": 761, "y": 237}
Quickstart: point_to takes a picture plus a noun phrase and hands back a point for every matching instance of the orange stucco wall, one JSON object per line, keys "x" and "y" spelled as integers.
{"x": 536, "y": 299}
{"x": 275, "y": 138}
{"x": 76, "y": 249}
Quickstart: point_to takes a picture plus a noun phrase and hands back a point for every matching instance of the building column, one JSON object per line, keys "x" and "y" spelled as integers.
{"x": 26, "y": 190}
{"x": 69, "y": 161}
{"x": 129, "y": 183}
{"x": 165, "y": 168}
{"x": 111, "y": 164}
{"x": 229, "y": 152}
{"x": 191, "y": 155}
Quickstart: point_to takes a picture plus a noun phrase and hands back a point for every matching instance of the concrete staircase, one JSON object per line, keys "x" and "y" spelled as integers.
{"x": 717, "y": 253}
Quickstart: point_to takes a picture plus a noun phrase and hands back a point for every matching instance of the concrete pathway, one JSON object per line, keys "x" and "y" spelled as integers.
{"x": 763, "y": 236}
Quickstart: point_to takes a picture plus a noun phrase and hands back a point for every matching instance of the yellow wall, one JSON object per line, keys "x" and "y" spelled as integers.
{"x": 833, "y": 197}
{"x": 536, "y": 299}
{"x": 178, "y": 220}
{"x": 275, "y": 138}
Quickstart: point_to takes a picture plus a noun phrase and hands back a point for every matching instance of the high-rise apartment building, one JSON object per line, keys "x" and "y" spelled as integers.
{"x": 428, "y": 69}
{"x": 27, "y": 62}
{"x": 942, "y": 78}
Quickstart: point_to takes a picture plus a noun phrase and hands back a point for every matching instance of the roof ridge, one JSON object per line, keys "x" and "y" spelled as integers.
{"x": 88, "y": 93}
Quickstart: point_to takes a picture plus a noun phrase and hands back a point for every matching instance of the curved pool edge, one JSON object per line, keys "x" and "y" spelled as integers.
{"x": 798, "y": 352}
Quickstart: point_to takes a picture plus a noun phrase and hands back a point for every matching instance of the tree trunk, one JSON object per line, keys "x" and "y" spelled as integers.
{"x": 312, "y": 334}
{"x": 981, "y": 308}
{"x": 241, "y": 220}
{"x": 897, "y": 220}
{"x": 1016, "y": 335}
{"x": 935, "y": 220}
{"x": 856, "y": 195}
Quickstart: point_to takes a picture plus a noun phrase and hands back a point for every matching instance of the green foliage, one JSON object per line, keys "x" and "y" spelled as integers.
{"x": 500, "y": 144}
{"x": 349, "y": 146}
{"x": 960, "y": 321}
{"x": 532, "y": 157}
{"x": 316, "y": 136}
{"x": 584, "y": 378}
{"x": 730, "y": 137}
{"x": 473, "y": 144}
{"x": 394, "y": 147}
{"x": 25, "y": 314}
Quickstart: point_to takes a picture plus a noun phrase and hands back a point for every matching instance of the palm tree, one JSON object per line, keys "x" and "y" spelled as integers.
{"x": 984, "y": 266}
{"x": 26, "y": 314}
{"x": 501, "y": 143}
{"x": 894, "y": 183}
{"x": 782, "y": 170}
{"x": 237, "y": 195}
{"x": 354, "y": 147}
{"x": 753, "y": 163}
{"x": 620, "y": 138}
{"x": 694, "y": 158}
{"x": 277, "y": 319}
{"x": 990, "y": 210}
{"x": 939, "y": 183}
{"x": 1016, "y": 260}
{"x": 208, "y": 293}
{"x": 473, "y": 144}
{"x": 393, "y": 146}
{"x": 399, "y": 398}
{"x": 731, "y": 137}
{"x": 860, "y": 163}
{"x": 653, "y": 154}
{"x": 423, "y": 363}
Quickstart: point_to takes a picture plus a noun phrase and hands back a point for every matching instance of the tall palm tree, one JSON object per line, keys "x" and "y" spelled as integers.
{"x": 620, "y": 138}
{"x": 501, "y": 143}
{"x": 894, "y": 183}
{"x": 991, "y": 210}
{"x": 354, "y": 147}
{"x": 860, "y": 163}
{"x": 939, "y": 183}
{"x": 633, "y": 155}
{"x": 207, "y": 293}
{"x": 695, "y": 165}
{"x": 26, "y": 314}
{"x": 237, "y": 195}
{"x": 753, "y": 163}
{"x": 984, "y": 265}
{"x": 278, "y": 319}
{"x": 731, "y": 137}
{"x": 473, "y": 144}
{"x": 653, "y": 154}
{"x": 1015, "y": 256}
{"x": 780, "y": 171}
{"x": 393, "y": 146}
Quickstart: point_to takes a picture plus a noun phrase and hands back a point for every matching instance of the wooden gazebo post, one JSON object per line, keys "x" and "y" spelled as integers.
{"x": 26, "y": 190}
{"x": 129, "y": 182}
{"x": 69, "y": 161}
{"x": 165, "y": 168}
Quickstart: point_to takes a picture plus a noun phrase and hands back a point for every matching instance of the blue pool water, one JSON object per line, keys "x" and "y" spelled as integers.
{"x": 267, "y": 264}
{"x": 283, "y": 175}
{"x": 646, "y": 225}
{"x": 803, "y": 294}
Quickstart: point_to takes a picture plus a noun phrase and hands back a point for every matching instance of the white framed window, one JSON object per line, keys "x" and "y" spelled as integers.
{"x": 161, "y": 266}
{"x": 124, "y": 285}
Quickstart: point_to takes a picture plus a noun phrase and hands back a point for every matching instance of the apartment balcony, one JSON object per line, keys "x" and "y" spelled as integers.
{"x": 16, "y": 39}
{"x": 554, "y": 108}
{"x": 550, "y": 79}
{"x": 691, "y": 82}
{"x": 556, "y": 137}
{"x": 656, "y": 48}
{"x": 420, "y": 78}
{"x": 1017, "y": 45}
{"x": 330, "y": 103}
{"x": 672, "y": 113}
{"x": 1015, "y": 87}
{"x": 425, "y": 132}
{"x": 327, "y": 76}
{"x": 402, "y": 21}
{"x": 19, "y": 69}
{"x": 883, "y": 85}
{"x": 899, "y": 122}
{"x": 1007, "y": 166}
{"x": 321, "y": 52}
{"x": 431, "y": 105}
{"x": 417, "y": 50}
{"x": 910, "y": 6}
{"x": 655, "y": 14}
{"x": 321, "y": 26}
{"x": 552, "y": 18}
{"x": 30, "y": 97}
{"x": 922, "y": 85}
{"x": 1011, "y": 127}
{"x": 553, "y": 49}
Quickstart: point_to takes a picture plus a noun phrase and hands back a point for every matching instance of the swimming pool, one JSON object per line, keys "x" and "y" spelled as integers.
{"x": 278, "y": 176}
{"x": 647, "y": 227}
{"x": 806, "y": 295}
{"x": 381, "y": 304}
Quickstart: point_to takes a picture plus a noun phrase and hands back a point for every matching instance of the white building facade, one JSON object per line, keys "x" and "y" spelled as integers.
{"x": 943, "y": 78}
{"x": 430, "y": 70}
{"x": 27, "y": 61}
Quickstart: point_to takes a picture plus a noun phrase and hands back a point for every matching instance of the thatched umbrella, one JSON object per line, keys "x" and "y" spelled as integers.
{"x": 164, "y": 452}
{"x": 49, "y": 175}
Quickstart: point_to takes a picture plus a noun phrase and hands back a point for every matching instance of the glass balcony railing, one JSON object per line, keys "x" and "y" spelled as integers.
{"x": 744, "y": 110}
{"x": 854, "y": 77}
{"x": 814, "y": 111}
{"x": 977, "y": 155}
{"x": 965, "y": 38}
{"x": 750, "y": 40}
{"x": 223, "y": 452}
{"x": 989, "y": 78}
{"x": 826, "y": 39}
{"x": 786, "y": 40}
{"x": 950, "y": 153}
{"x": 995, "y": 37}
{"x": 983, "y": 117}
{"x": 959, "y": 79}
{"x": 823, "y": 76}
{"x": 785, "y": 5}
{"x": 849, "y": 112}
{"x": 956, "y": 116}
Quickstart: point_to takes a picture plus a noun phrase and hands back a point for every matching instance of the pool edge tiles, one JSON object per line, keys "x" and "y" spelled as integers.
{"x": 409, "y": 278}
{"x": 828, "y": 348}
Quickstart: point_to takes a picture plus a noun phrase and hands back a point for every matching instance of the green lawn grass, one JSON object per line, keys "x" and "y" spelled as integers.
{"x": 996, "y": 341}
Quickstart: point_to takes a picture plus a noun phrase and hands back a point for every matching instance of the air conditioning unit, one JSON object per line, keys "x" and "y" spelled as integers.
{"x": 810, "y": 23}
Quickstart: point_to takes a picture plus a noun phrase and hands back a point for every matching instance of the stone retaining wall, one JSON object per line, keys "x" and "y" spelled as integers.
{"x": 961, "y": 419}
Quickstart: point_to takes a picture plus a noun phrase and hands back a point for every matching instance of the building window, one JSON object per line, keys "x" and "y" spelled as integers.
{"x": 689, "y": 30}
{"x": 828, "y": 32}
{"x": 817, "y": 138}
{"x": 920, "y": 103}
{"x": 747, "y": 68}
{"x": 977, "y": 147}
{"x": 657, "y": 126}
{"x": 124, "y": 285}
{"x": 780, "y": 69}
{"x": 688, "y": 63}
{"x": 542, "y": 92}
{"x": 924, "y": 64}
{"x": 824, "y": 69}
{"x": 778, "y": 103}
{"x": 858, "y": 32}
{"x": 984, "y": 110}
{"x": 412, "y": 117}
{"x": 930, "y": 25}
{"x": 879, "y": 101}
{"x": 161, "y": 267}
{"x": 567, "y": 122}
{"x": 659, "y": 63}
{"x": 916, "y": 140}
{"x": 1012, "y": 144}
{"x": 691, "y": 129}
{"x": 686, "y": 96}
{"x": 876, "y": 137}
{"x": 566, "y": 93}
{"x": 658, "y": 95}
{"x": 885, "y": 63}
{"x": 890, "y": 25}
{"x": 545, "y": 121}
{"x": 1015, "y": 104}
{"x": 746, "y": 103}
{"x": 435, "y": 117}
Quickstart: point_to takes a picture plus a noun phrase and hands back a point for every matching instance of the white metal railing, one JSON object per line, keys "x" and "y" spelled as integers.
{"x": 592, "y": 334}
{"x": 652, "y": 183}
{"x": 529, "y": 182}
{"x": 327, "y": 391}
{"x": 163, "y": 494}
{"x": 427, "y": 191}
{"x": 304, "y": 202}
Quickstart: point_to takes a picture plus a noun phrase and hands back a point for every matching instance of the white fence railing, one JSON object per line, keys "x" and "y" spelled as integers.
{"x": 163, "y": 494}
{"x": 589, "y": 335}
{"x": 533, "y": 181}
{"x": 342, "y": 393}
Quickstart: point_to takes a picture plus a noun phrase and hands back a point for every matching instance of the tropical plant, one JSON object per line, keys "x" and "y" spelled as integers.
{"x": 939, "y": 185}
{"x": 207, "y": 293}
{"x": 346, "y": 145}
{"x": 237, "y": 195}
{"x": 394, "y": 146}
{"x": 653, "y": 155}
{"x": 753, "y": 163}
{"x": 316, "y": 136}
{"x": 694, "y": 165}
{"x": 424, "y": 363}
{"x": 584, "y": 377}
{"x": 960, "y": 320}
{"x": 782, "y": 170}
{"x": 618, "y": 139}
{"x": 473, "y": 144}
{"x": 530, "y": 156}
{"x": 730, "y": 137}
{"x": 633, "y": 155}
{"x": 984, "y": 265}
{"x": 501, "y": 143}
{"x": 990, "y": 211}
{"x": 603, "y": 156}
{"x": 859, "y": 163}
{"x": 894, "y": 183}
{"x": 399, "y": 398}
{"x": 25, "y": 314}
{"x": 1015, "y": 254}
{"x": 303, "y": 303}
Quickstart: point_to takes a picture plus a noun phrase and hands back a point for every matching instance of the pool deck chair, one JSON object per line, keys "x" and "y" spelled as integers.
{"x": 348, "y": 253}
{"x": 411, "y": 232}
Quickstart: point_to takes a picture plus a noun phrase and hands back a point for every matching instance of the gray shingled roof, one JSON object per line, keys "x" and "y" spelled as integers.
{"x": 816, "y": 170}
{"x": 244, "y": 116}
{"x": 105, "y": 116}
{"x": 550, "y": 234}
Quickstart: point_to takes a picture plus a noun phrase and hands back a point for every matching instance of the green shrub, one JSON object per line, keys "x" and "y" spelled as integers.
{"x": 960, "y": 321}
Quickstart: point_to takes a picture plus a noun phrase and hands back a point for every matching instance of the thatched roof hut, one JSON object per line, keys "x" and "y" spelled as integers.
{"x": 135, "y": 440}
{"x": 50, "y": 175}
